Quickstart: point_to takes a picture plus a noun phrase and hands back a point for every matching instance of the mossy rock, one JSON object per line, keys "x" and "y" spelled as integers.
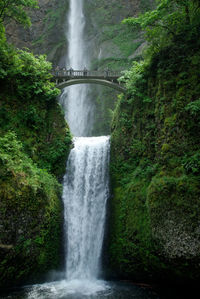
{"x": 155, "y": 171}
{"x": 30, "y": 216}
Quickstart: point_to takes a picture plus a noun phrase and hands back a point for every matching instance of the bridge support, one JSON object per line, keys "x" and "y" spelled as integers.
{"x": 107, "y": 83}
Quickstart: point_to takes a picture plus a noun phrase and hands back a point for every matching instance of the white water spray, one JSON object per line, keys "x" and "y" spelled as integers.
{"x": 75, "y": 99}
{"x": 85, "y": 194}
{"x": 86, "y": 183}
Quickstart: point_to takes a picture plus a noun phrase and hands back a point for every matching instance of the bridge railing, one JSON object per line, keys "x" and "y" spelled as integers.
{"x": 85, "y": 73}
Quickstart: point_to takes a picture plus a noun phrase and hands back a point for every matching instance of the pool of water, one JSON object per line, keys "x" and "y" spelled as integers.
{"x": 82, "y": 289}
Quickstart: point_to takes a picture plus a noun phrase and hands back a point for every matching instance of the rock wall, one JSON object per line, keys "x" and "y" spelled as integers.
{"x": 111, "y": 46}
{"x": 104, "y": 33}
{"x": 47, "y": 33}
{"x": 154, "y": 220}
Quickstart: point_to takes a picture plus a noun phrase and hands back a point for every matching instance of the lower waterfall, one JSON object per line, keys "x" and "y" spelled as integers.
{"x": 85, "y": 193}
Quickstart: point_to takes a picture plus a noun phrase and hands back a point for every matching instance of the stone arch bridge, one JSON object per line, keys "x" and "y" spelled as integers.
{"x": 64, "y": 78}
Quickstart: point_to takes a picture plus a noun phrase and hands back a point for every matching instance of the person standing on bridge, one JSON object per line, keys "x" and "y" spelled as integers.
{"x": 57, "y": 70}
{"x": 71, "y": 71}
{"x": 64, "y": 71}
{"x": 85, "y": 71}
{"x": 106, "y": 72}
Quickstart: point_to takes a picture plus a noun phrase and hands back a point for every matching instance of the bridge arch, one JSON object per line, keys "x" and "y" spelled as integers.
{"x": 107, "y": 83}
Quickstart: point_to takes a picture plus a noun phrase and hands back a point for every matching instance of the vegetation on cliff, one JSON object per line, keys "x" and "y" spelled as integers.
{"x": 112, "y": 46}
{"x": 30, "y": 214}
{"x": 155, "y": 169}
{"x": 15, "y": 9}
{"x": 34, "y": 145}
{"x": 47, "y": 17}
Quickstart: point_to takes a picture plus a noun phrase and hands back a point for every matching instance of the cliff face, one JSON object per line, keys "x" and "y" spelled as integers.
{"x": 113, "y": 45}
{"x": 154, "y": 219}
{"x": 104, "y": 34}
{"x": 47, "y": 33}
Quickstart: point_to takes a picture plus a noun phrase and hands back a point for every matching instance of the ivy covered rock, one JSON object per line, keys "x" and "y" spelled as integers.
{"x": 30, "y": 215}
{"x": 155, "y": 171}
{"x": 34, "y": 144}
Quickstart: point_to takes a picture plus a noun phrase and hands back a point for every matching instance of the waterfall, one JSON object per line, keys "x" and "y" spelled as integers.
{"x": 85, "y": 194}
{"x": 76, "y": 99}
{"x": 86, "y": 181}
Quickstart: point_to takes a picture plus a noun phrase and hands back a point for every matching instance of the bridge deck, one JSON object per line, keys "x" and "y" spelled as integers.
{"x": 64, "y": 78}
{"x": 76, "y": 74}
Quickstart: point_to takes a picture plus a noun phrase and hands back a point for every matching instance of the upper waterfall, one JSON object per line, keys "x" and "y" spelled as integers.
{"x": 77, "y": 58}
{"x": 76, "y": 99}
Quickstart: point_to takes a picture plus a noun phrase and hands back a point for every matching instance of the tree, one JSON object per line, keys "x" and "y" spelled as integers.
{"x": 171, "y": 20}
{"x": 16, "y": 10}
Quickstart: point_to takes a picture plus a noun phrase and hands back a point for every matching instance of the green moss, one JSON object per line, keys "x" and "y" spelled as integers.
{"x": 116, "y": 47}
{"x": 179, "y": 194}
{"x": 34, "y": 144}
{"x": 30, "y": 203}
{"x": 155, "y": 169}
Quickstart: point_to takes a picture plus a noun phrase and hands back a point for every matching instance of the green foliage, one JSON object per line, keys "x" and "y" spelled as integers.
{"x": 192, "y": 164}
{"x": 119, "y": 45}
{"x": 179, "y": 195}
{"x": 122, "y": 37}
{"x": 16, "y": 10}
{"x": 172, "y": 20}
{"x": 28, "y": 104}
{"x": 134, "y": 80}
{"x": 25, "y": 75}
{"x": 15, "y": 163}
{"x": 30, "y": 195}
{"x": 155, "y": 151}
{"x": 193, "y": 107}
{"x": 34, "y": 145}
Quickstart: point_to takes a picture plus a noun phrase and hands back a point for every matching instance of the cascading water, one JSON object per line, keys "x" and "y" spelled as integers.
{"x": 75, "y": 99}
{"x": 86, "y": 186}
{"x": 86, "y": 180}
{"x": 85, "y": 193}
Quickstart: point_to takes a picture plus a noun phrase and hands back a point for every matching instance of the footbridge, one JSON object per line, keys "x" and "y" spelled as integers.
{"x": 64, "y": 78}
